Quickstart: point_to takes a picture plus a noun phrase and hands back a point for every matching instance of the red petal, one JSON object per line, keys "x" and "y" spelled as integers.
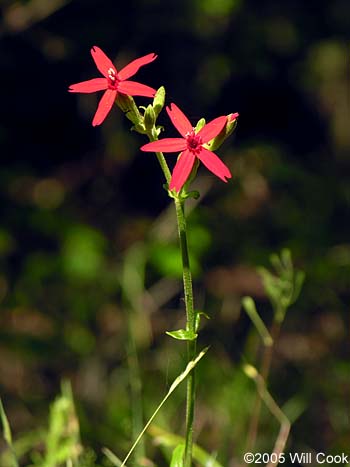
{"x": 92, "y": 85}
{"x": 182, "y": 170}
{"x": 131, "y": 88}
{"x": 232, "y": 117}
{"x": 179, "y": 119}
{"x": 104, "y": 106}
{"x": 165, "y": 145}
{"x": 133, "y": 67}
{"x": 103, "y": 63}
{"x": 212, "y": 129}
{"x": 214, "y": 164}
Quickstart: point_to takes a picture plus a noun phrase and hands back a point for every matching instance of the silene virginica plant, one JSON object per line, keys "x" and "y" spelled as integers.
{"x": 59, "y": 445}
{"x": 195, "y": 144}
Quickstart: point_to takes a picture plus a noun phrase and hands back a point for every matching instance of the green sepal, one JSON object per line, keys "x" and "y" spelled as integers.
{"x": 228, "y": 129}
{"x": 139, "y": 128}
{"x": 159, "y": 100}
{"x": 198, "y": 318}
{"x": 127, "y": 105}
{"x": 177, "y": 458}
{"x": 182, "y": 335}
{"x": 200, "y": 125}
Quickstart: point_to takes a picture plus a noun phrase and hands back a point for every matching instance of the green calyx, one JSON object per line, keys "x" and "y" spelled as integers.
{"x": 228, "y": 129}
{"x": 127, "y": 105}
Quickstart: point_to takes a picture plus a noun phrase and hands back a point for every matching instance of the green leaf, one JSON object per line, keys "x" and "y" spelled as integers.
{"x": 182, "y": 335}
{"x": 177, "y": 457}
{"x": 198, "y": 318}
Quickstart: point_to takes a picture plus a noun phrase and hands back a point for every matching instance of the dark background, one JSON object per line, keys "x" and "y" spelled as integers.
{"x": 76, "y": 200}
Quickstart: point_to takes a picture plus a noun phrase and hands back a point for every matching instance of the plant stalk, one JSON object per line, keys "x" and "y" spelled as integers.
{"x": 190, "y": 314}
{"x": 190, "y": 326}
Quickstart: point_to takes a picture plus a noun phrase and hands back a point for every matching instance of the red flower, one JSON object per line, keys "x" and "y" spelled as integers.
{"x": 114, "y": 82}
{"x": 191, "y": 145}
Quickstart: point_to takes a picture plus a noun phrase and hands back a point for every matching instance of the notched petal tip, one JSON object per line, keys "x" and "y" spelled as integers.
{"x": 179, "y": 119}
{"x": 103, "y": 63}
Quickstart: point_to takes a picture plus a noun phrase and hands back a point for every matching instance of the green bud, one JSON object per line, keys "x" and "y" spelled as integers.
{"x": 149, "y": 117}
{"x": 228, "y": 129}
{"x": 159, "y": 100}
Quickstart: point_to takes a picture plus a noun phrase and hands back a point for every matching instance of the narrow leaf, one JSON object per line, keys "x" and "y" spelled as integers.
{"x": 7, "y": 433}
{"x": 176, "y": 382}
{"x": 182, "y": 335}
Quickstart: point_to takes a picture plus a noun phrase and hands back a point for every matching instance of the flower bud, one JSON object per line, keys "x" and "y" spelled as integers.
{"x": 159, "y": 100}
{"x": 228, "y": 129}
{"x": 149, "y": 118}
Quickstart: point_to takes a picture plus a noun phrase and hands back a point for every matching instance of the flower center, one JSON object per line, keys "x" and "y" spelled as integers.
{"x": 113, "y": 80}
{"x": 194, "y": 142}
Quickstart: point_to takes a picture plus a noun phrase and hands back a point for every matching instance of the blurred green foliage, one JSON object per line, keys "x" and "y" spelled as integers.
{"x": 77, "y": 201}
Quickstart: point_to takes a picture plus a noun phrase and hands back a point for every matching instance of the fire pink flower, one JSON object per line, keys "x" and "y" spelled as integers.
{"x": 114, "y": 82}
{"x": 192, "y": 146}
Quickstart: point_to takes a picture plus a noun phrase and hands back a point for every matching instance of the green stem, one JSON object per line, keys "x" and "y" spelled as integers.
{"x": 190, "y": 326}
{"x": 132, "y": 112}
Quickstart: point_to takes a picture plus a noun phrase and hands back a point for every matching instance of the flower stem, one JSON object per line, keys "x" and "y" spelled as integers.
{"x": 190, "y": 326}
{"x": 188, "y": 291}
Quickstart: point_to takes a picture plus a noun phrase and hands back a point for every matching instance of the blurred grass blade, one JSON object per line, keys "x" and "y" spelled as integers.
{"x": 177, "y": 459}
{"x": 112, "y": 457}
{"x": 273, "y": 407}
{"x": 62, "y": 441}
{"x": 7, "y": 433}
{"x": 176, "y": 382}
{"x": 5, "y": 425}
{"x": 250, "y": 308}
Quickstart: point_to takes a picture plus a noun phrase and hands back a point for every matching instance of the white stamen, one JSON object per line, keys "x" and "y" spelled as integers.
{"x": 111, "y": 74}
